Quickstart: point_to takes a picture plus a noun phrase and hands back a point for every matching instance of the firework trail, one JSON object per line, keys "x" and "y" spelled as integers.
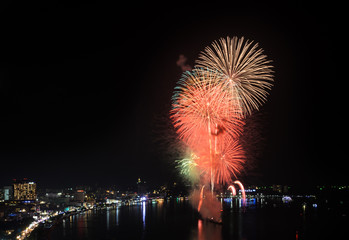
{"x": 201, "y": 197}
{"x": 247, "y": 75}
{"x": 242, "y": 191}
{"x": 233, "y": 190}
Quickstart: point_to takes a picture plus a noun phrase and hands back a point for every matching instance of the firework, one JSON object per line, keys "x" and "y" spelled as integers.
{"x": 210, "y": 104}
{"x": 188, "y": 167}
{"x": 233, "y": 190}
{"x": 246, "y": 72}
{"x": 242, "y": 191}
{"x": 201, "y": 197}
{"x": 201, "y": 109}
{"x": 227, "y": 160}
{"x": 201, "y": 113}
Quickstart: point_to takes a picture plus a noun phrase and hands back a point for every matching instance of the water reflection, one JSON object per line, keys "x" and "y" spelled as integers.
{"x": 108, "y": 215}
{"x": 199, "y": 229}
{"x": 81, "y": 228}
{"x": 143, "y": 220}
{"x": 143, "y": 214}
{"x": 176, "y": 219}
{"x": 64, "y": 232}
{"x": 208, "y": 230}
{"x": 117, "y": 215}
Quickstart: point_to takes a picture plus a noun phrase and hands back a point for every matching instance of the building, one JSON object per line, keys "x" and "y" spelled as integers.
{"x": 277, "y": 188}
{"x": 23, "y": 190}
{"x": 79, "y": 196}
{"x": 141, "y": 187}
{"x": 280, "y": 188}
{"x": 8, "y": 193}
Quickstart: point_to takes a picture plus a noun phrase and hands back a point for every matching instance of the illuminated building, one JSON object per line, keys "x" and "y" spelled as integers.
{"x": 8, "y": 193}
{"x": 24, "y": 190}
{"x": 277, "y": 188}
{"x": 79, "y": 196}
{"x": 141, "y": 187}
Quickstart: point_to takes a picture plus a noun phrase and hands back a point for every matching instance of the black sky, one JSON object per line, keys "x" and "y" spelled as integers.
{"x": 82, "y": 86}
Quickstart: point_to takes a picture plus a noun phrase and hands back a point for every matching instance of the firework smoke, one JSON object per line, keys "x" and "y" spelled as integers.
{"x": 210, "y": 207}
{"x": 182, "y": 63}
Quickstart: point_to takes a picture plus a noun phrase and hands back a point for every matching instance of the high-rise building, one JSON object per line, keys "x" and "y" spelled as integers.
{"x": 79, "y": 196}
{"x": 141, "y": 187}
{"x": 8, "y": 193}
{"x": 24, "y": 190}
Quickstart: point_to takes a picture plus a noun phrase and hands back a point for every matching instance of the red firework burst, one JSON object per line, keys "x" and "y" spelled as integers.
{"x": 201, "y": 109}
{"x": 209, "y": 122}
{"x": 227, "y": 160}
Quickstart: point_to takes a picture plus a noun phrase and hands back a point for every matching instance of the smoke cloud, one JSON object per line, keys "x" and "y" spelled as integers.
{"x": 182, "y": 63}
{"x": 210, "y": 208}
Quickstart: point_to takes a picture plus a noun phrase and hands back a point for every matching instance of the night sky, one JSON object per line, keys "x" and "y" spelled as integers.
{"x": 82, "y": 89}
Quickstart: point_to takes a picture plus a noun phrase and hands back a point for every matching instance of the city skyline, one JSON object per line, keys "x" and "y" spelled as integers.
{"x": 82, "y": 94}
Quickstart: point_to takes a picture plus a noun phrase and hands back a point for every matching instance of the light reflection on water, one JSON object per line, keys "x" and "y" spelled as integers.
{"x": 117, "y": 215}
{"x": 161, "y": 212}
{"x": 108, "y": 216}
{"x": 178, "y": 220}
{"x": 143, "y": 214}
{"x": 207, "y": 230}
